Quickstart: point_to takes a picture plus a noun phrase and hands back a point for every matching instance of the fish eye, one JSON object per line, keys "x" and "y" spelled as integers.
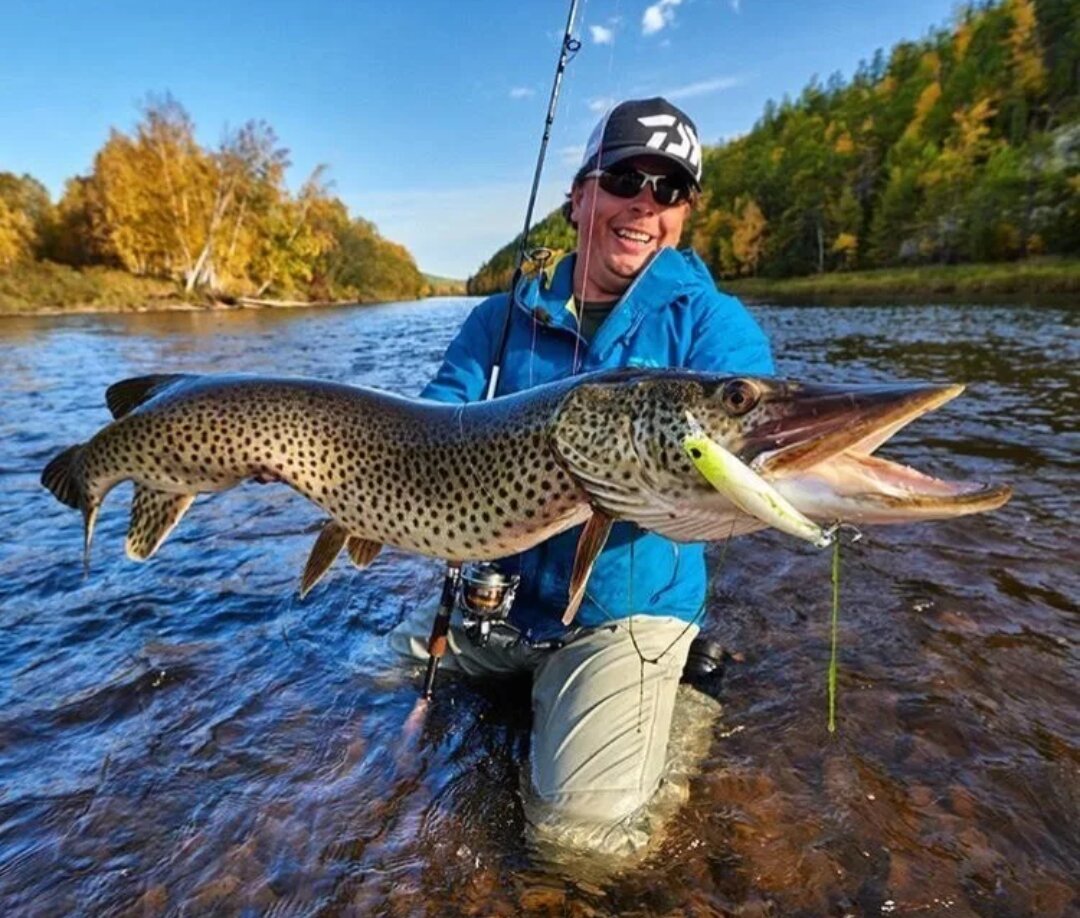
{"x": 738, "y": 396}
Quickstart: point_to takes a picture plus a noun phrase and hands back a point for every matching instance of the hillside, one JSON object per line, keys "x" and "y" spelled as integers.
{"x": 961, "y": 147}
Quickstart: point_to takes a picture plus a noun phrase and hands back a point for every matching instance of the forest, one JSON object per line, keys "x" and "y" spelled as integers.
{"x": 962, "y": 147}
{"x": 195, "y": 223}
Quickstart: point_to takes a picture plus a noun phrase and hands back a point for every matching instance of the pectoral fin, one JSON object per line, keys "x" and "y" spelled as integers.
{"x": 591, "y": 542}
{"x": 326, "y": 548}
{"x": 154, "y": 514}
{"x": 328, "y": 545}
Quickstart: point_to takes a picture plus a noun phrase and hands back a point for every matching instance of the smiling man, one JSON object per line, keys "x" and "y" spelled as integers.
{"x": 625, "y": 297}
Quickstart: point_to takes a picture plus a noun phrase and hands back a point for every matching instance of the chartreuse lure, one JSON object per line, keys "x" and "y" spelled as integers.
{"x": 754, "y": 495}
{"x": 746, "y": 489}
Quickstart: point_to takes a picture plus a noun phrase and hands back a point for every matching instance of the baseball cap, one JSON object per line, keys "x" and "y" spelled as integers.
{"x": 644, "y": 127}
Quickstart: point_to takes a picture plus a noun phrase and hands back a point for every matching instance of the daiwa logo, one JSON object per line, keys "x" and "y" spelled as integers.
{"x": 684, "y": 144}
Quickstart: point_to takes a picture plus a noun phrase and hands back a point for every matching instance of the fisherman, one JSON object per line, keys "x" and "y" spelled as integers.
{"x": 625, "y": 298}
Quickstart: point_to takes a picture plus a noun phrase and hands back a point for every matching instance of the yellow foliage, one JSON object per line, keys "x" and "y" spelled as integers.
{"x": 887, "y": 86}
{"x": 1027, "y": 55}
{"x": 931, "y": 64}
{"x": 973, "y": 126}
{"x": 776, "y": 155}
{"x": 844, "y": 144}
{"x": 16, "y": 235}
{"x": 748, "y": 237}
{"x": 961, "y": 40}
{"x": 928, "y": 98}
{"x": 845, "y": 242}
{"x": 846, "y": 245}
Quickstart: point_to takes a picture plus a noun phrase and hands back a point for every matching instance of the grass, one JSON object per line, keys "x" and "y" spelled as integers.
{"x": 1035, "y": 277}
{"x": 44, "y": 286}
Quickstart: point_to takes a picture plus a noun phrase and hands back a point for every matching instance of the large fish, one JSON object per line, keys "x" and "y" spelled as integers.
{"x": 490, "y": 479}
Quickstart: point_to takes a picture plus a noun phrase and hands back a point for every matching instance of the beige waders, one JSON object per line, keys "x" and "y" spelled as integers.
{"x": 601, "y": 720}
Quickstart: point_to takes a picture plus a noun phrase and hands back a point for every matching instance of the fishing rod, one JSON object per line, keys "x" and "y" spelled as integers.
{"x": 440, "y": 627}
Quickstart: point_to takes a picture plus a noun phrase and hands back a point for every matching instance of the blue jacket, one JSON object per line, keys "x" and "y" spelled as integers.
{"x": 671, "y": 316}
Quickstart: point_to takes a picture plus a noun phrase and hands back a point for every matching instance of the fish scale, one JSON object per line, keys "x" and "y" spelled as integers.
{"x": 487, "y": 480}
{"x": 384, "y": 470}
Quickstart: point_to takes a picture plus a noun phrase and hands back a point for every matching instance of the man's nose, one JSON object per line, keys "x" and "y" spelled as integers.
{"x": 644, "y": 200}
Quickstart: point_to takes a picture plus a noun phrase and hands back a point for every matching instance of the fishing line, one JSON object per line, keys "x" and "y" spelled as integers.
{"x": 833, "y": 637}
{"x": 698, "y": 616}
{"x": 591, "y": 224}
{"x": 835, "y": 531}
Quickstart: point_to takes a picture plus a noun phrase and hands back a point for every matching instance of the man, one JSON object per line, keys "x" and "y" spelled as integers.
{"x": 626, "y": 297}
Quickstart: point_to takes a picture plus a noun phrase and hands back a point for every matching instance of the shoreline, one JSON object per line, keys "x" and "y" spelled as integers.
{"x": 44, "y": 288}
{"x": 1050, "y": 281}
{"x": 80, "y": 309}
{"x": 1038, "y": 281}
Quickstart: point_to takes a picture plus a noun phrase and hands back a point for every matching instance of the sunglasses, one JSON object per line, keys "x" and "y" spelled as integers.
{"x": 627, "y": 183}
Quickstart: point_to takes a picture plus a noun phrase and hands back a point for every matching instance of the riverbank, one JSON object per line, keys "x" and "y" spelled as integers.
{"x": 1037, "y": 278}
{"x": 48, "y": 288}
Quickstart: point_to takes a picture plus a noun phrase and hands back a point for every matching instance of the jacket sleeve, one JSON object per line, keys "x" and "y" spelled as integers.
{"x": 463, "y": 375}
{"x": 727, "y": 339}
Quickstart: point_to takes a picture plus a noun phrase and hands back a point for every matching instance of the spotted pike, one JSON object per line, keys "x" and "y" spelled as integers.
{"x": 490, "y": 479}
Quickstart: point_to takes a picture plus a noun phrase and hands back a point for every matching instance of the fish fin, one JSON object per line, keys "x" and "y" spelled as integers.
{"x": 90, "y": 512}
{"x": 362, "y": 551}
{"x": 154, "y": 514}
{"x": 326, "y": 548}
{"x": 590, "y": 543}
{"x": 704, "y": 515}
{"x": 64, "y": 477}
{"x": 128, "y": 394}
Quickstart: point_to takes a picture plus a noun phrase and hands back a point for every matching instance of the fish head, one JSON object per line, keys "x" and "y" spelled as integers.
{"x": 622, "y": 439}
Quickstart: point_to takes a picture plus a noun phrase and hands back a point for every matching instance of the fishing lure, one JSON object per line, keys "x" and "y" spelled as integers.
{"x": 746, "y": 489}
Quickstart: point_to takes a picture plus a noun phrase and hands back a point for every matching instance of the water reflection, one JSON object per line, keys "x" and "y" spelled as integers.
{"x": 186, "y": 736}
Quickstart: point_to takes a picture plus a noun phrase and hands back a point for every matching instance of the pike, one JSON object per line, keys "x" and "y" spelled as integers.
{"x": 486, "y": 480}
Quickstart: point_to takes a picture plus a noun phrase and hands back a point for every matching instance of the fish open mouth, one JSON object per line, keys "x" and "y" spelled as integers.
{"x": 818, "y": 450}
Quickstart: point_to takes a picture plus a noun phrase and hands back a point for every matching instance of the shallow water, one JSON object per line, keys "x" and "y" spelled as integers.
{"x": 184, "y": 736}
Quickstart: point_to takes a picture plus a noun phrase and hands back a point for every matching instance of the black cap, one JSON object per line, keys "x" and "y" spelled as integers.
{"x": 644, "y": 127}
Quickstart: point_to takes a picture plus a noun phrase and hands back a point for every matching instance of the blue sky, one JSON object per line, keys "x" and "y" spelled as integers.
{"x": 428, "y": 113}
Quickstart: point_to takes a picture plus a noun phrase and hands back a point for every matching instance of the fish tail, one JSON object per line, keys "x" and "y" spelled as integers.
{"x": 65, "y": 477}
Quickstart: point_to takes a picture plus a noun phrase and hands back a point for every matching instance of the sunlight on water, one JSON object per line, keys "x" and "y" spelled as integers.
{"x": 186, "y": 736}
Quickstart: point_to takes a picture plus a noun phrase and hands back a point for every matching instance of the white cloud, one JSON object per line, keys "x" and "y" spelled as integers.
{"x": 602, "y": 35}
{"x": 703, "y": 87}
{"x": 659, "y": 15}
{"x": 522, "y": 92}
{"x": 572, "y": 156}
{"x": 600, "y": 104}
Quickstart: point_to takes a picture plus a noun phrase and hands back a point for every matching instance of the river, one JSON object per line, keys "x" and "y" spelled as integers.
{"x": 186, "y": 737}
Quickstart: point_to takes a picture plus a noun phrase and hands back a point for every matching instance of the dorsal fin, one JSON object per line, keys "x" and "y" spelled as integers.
{"x": 127, "y": 394}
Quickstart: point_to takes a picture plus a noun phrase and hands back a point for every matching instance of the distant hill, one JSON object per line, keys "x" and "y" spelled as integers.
{"x": 443, "y": 286}
{"x": 553, "y": 232}
{"x": 961, "y": 147}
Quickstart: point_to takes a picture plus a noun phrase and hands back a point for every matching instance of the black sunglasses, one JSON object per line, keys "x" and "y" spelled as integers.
{"x": 627, "y": 183}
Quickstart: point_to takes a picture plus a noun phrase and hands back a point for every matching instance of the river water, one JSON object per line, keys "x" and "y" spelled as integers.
{"x": 186, "y": 737}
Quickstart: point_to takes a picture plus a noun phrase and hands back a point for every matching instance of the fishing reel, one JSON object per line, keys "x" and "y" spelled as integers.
{"x": 484, "y": 596}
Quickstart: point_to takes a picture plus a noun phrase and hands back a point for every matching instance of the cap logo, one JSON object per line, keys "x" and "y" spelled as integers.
{"x": 685, "y": 146}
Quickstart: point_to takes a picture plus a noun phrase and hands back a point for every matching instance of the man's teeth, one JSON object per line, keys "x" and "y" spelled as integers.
{"x": 633, "y": 235}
